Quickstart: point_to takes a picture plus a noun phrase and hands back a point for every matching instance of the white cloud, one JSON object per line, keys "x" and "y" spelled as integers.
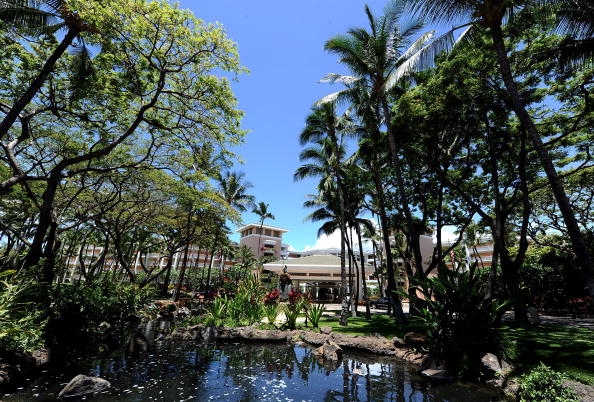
{"x": 333, "y": 241}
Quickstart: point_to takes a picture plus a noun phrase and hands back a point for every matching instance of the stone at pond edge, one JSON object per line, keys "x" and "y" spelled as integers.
{"x": 415, "y": 338}
{"x": 494, "y": 366}
{"x": 398, "y": 342}
{"x": 329, "y": 351}
{"x": 325, "y": 330}
{"x": 437, "y": 375}
{"x": 83, "y": 385}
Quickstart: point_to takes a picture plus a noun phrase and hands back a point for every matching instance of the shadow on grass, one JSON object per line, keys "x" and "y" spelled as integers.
{"x": 570, "y": 350}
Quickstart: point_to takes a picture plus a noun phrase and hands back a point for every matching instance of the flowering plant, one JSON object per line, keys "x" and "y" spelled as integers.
{"x": 272, "y": 297}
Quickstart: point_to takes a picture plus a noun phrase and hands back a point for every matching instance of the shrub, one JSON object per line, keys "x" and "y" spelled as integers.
{"x": 460, "y": 321}
{"x": 21, "y": 320}
{"x": 314, "y": 313}
{"x": 77, "y": 309}
{"x": 545, "y": 384}
{"x": 296, "y": 303}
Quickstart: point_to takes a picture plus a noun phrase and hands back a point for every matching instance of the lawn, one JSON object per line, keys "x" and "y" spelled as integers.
{"x": 570, "y": 350}
{"x": 378, "y": 324}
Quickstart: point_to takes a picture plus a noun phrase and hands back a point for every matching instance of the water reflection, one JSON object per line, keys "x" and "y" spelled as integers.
{"x": 177, "y": 371}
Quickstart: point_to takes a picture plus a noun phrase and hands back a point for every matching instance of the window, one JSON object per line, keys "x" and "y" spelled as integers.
{"x": 276, "y": 233}
{"x": 267, "y": 232}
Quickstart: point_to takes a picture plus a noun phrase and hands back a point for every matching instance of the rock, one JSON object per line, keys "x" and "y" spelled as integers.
{"x": 329, "y": 351}
{"x": 494, "y": 366}
{"x": 315, "y": 338}
{"x": 584, "y": 392}
{"x": 429, "y": 363}
{"x": 415, "y": 339}
{"x": 41, "y": 357}
{"x": 374, "y": 344}
{"x": 398, "y": 342}
{"x": 437, "y": 375}
{"x": 183, "y": 312}
{"x": 325, "y": 330}
{"x": 209, "y": 334}
{"x": 83, "y": 385}
{"x": 533, "y": 317}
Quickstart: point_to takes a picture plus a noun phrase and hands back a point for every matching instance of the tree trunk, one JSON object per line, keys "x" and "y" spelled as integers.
{"x": 363, "y": 276}
{"x": 396, "y": 304}
{"x": 180, "y": 280}
{"x": 577, "y": 240}
{"x": 344, "y": 311}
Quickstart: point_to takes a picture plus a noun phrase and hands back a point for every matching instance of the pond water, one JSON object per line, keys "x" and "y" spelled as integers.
{"x": 184, "y": 371}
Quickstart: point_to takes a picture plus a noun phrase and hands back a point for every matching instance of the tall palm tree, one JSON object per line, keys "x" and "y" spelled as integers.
{"x": 233, "y": 189}
{"x": 379, "y": 57}
{"x": 40, "y": 18}
{"x": 262, "y": 211}
{"x": 323, "y": 124}
{"x": 490, "y": 14}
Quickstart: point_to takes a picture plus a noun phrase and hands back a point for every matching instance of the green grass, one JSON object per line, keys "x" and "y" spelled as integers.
{"x": 565, "y": 349}
{"x": 569, "y": 350}
{"x": 378, "y": 324}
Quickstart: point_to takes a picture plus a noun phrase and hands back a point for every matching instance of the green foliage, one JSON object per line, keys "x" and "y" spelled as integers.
{"x": 510, "y": 349}
{"x": 455, "y": 311}
{"x": 245, "y": 308}
{"x": 78, "y": 309}
{"x": 21, "y": 323}
{"x": 271, "y": 311}
{"x": 295, "y": 305}
{"x": 545, "y": 384}
{"x": 314, "y": 313}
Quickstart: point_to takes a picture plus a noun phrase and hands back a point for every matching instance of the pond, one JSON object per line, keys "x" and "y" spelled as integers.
{"x": 247, "y": 372}
{"x": 184, "y": 371}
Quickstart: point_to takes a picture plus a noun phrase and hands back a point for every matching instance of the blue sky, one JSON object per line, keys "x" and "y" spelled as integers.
{"x": 281, "y": 42}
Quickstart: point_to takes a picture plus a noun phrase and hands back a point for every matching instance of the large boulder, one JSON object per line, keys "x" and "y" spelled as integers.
{"x": 437, "y": 375}
{"x": 494, "y": 366}
{"x": 329, "y": 351}
{"x": 84, "y": 385}
{"x": 325, "y": 330}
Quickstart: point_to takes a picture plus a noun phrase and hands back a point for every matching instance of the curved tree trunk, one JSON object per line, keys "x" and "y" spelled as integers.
{"x": 577, "y": 240}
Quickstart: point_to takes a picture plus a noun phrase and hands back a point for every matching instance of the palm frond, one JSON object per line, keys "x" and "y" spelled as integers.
{"x": 333, "y": 78}
{"x": 423, "y": 59}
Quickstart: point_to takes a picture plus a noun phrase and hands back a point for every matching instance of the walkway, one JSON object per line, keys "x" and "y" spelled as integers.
{"x": 587, "y": 323}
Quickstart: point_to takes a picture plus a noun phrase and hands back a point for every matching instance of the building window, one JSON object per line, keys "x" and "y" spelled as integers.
{"x": 276, "y": 233}
{"x": 267, "y": 232}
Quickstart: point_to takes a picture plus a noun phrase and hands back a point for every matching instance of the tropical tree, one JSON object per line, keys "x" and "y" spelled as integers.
{"x": 490, "y": 15}
{"x": 378, "y": 57}
{"x": 233, "y": 187}
{"x": 323, "y": 124}
{"x": 40, "y": 18}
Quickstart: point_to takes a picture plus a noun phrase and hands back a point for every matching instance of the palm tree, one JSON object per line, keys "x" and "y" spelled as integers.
{"x": 379, "y": 58}
{"x": 40, "y": 18}
{"x": 262, "y": 211}
{"x": 490, "y": 14}
{"x": 325, "y": 128}
{"x": 233, "y": 188}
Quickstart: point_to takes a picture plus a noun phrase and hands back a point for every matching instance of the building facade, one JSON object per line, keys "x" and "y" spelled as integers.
{"x": 263, "y": 240}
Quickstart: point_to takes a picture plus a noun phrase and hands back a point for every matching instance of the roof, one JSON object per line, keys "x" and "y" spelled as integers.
{"x": 257, "y": 225}
{"x": 309, "y": 260}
